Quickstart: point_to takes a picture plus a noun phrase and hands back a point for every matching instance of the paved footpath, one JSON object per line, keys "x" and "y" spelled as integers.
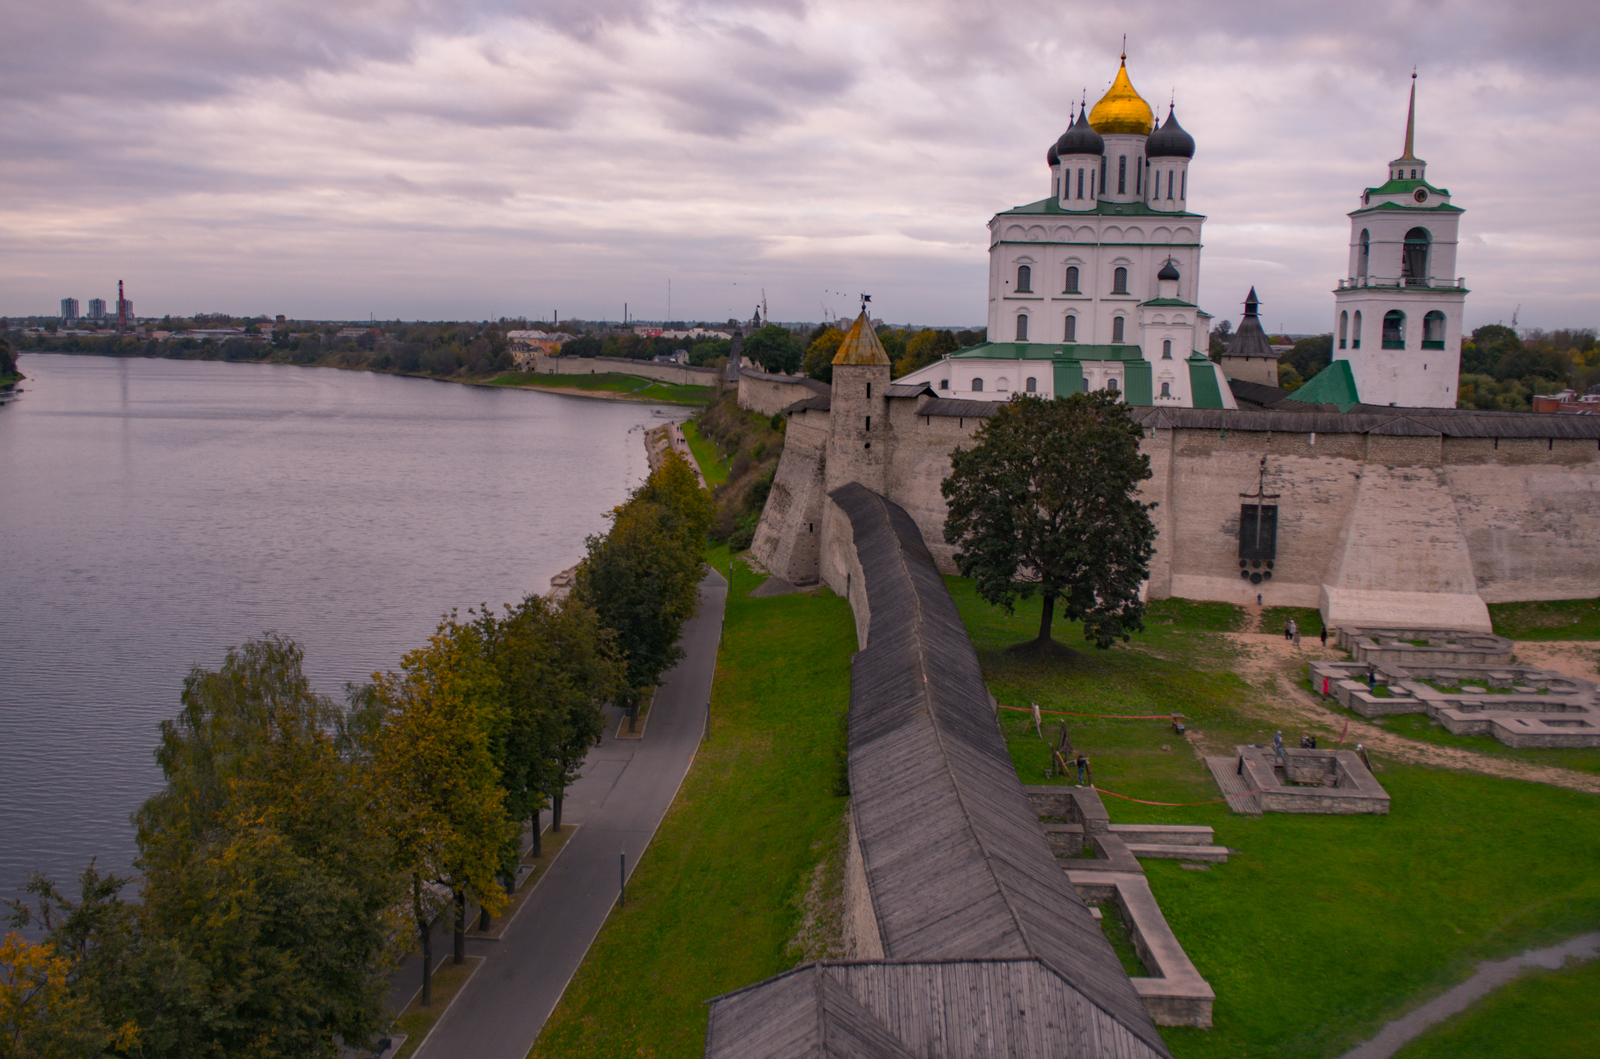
{"x": 626, "y": 788}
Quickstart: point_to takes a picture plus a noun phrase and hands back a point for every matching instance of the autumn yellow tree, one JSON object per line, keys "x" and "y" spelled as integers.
{"x": 442, "y": 805}
{"x": 41, "y": 1017}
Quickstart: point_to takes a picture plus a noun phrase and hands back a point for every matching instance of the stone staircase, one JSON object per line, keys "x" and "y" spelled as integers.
{"x": 1235, "y": 788}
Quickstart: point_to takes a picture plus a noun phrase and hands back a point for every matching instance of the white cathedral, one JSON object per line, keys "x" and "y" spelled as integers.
{"x": 1095, "y": 287}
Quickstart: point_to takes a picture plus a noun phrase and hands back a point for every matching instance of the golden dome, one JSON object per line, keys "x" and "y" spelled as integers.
{"x": 1121, "y": 109}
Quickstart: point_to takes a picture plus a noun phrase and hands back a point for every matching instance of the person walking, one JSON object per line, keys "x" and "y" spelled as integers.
{"x": 1297, "y": 637}
{"x": 1324, "y": 637}
{"x": 1286, "y": 632}
{"x": 1279, "y": 757}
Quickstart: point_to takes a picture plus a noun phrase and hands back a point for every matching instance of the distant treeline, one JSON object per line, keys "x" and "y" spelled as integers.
{"x": 300, "y": 845}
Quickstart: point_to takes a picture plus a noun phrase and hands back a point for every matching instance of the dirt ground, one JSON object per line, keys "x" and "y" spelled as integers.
{"x": 1271, "y": 663}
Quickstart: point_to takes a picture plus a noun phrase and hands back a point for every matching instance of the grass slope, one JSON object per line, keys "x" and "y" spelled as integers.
{"x": 631, "y": 386}
{"x": 711, "y": 463}
{"x": 1324, "y": 927}
{"x": 717, "y": 895}
{"x": 1557, "y": 619}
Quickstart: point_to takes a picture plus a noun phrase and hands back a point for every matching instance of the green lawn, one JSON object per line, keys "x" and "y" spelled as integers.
{"x": 1324, "y": 927}
{"x": 705, "y": 454}
{"x": 1309, "y": 619}
{"x": 635, "y": 387}
{"x": 718, "y": 894}
{"x": 1560, "y": 619}
{"x": 1540, "y": 1016}
{"x": 1421, "y": 727}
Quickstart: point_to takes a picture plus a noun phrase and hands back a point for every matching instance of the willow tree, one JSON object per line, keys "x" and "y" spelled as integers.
{"x": 1045, "y": 504}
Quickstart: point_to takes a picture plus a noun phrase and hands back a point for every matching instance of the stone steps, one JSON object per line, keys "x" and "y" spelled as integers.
{"x": 1234, "y": 787}
{"x": 1170, "y": 851}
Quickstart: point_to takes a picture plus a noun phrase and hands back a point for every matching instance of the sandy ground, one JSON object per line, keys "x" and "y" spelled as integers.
{"x": 1273, "y": 664}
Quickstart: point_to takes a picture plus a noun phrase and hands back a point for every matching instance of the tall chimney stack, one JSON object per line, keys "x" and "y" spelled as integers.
{"x": 122, "y": 310}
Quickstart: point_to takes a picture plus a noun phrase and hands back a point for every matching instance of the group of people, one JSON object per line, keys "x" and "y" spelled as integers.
{"x": 1291, "y": 631}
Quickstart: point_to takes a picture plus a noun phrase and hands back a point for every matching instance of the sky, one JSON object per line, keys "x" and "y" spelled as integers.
{"x": 473, "y": 159}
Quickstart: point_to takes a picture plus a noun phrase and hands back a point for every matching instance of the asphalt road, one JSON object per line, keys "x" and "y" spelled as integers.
{"x": 626, "y": 788}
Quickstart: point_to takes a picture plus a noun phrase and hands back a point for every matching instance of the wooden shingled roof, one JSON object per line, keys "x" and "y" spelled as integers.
{"x": 956, "y": 863}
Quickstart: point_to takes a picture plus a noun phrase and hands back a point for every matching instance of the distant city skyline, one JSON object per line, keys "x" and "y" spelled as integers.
{"x": 446, "y": 161}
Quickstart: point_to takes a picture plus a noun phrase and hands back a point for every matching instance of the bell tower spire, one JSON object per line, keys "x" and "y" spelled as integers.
{"x": 1411, "y": 119}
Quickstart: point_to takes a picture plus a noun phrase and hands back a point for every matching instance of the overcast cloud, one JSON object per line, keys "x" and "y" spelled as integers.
{"x": 435, "y": 159}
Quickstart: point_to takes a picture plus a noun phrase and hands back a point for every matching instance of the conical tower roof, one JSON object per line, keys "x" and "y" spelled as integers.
{"x": 861, "y": 345}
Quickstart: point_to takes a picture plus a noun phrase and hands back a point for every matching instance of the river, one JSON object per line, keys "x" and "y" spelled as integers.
{"x": 154, "y": 512}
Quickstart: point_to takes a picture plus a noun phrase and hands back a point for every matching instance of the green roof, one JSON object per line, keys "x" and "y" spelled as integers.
{"x": 1048, "y": 351}
{"x": 1173, "y": 303}
{"x": 1441, "y": 208}
{"x": 1102, "y": 209}
{"x": 1402, "y": 187}
{"x": 1332, "y": 385}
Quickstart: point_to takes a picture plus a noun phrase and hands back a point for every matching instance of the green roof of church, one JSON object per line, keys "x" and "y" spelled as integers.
{"x": 1332, "y": 385}
{"x": 1104, "y": 209}
{"x": 1048, "y": 351}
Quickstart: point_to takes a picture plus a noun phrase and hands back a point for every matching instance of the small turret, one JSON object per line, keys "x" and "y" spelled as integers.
{"x": 860, "y": 440}
{"x": 1249, "y": 356}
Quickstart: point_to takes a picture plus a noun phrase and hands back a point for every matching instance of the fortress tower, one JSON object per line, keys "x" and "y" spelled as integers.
{"x": 1397, "y": 314}
{"x": 859, "y": 448}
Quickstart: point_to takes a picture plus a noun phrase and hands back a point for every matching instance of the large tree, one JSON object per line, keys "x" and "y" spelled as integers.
{"x": 438, "y": 785}
{"x": 1044, "y": 503}
{"x": 775, "y": 348}
{"x": 642, "y": 578}
{"x": 263, "y": 863}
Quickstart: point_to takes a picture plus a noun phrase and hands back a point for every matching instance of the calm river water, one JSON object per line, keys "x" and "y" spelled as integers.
{"x": 154, "y": 512}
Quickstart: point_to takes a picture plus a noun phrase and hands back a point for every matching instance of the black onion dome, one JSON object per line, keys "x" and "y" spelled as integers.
{"x": 1052, "y": 157}
{"x": 1168, "y": 271}
{"x": 1169, "y": 141}
{"x": 1080, "y": 139}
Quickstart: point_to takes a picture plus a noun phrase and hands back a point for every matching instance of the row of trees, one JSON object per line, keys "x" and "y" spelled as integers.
{"x": 778, "y": 349}
{"x": 299, "y": 842}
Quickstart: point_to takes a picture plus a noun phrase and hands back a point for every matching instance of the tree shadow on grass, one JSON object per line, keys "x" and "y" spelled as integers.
{"x": 1046, "y": 651}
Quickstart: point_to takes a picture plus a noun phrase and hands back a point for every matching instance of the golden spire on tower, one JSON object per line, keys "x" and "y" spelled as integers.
{"x": 1121, "y": 109}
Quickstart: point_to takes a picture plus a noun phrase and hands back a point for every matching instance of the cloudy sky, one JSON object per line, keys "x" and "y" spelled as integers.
{"x": 479, "y": 158}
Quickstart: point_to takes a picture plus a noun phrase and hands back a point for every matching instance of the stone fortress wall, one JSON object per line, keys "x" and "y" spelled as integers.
{"x": 1382, "y": 518}
{"x": 676, "y": 374}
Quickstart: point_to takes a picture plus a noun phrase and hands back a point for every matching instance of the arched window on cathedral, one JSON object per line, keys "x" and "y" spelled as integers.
{"x": 1413, "y": 174}
{"x": 1024, "y": 279}
{"x": 1394, "y": 329}
{"x": 1355, "y": 331}
{"x": 1363, "y": 254}
{"x": 1122, "y": 174}
{"x": 1102, "y": 177}
{"x": 1032, "y": 384}
{"x": 1414, "y": 260}
{"x": 1072, "y": 330}
{"x": 1183, "y": 190}
{"x": 1170, "y": 175}
{"x": 1138, "y": 176}
{"x": 1002, "y": 384}
{"x": 1117, "y": 325}
{"x": 1111, "y": 384}
{"x": 1433, "y": 330}
{"x": 1022, "y": 327}
{"x": 1080, "y": 183}
{"x": 1166, "y": 389}
{"x": 1166, "y": 349}
{"x": 1344, "y": 328}
{"x": 1071, "y": 286}
{"x": 977, "y": 385}
{"x": 1119, "y": 280}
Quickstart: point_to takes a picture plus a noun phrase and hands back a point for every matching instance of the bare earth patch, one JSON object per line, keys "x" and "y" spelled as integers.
{"x": 1273, "y": 664}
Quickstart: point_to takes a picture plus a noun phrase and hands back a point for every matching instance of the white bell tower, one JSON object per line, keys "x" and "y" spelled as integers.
{"x": 1397, "y": 313}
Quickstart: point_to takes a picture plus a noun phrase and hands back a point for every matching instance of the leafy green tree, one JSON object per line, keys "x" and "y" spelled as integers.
{"x": 642, "y": 578}
{"x": 1309, "y": 356}
{"x": 438, "y": 785}
{"x": 556, "y": 667}
{"x": 924, "y": 348}
{"x": 8, "y": 360}
{"x": 142, "y": 985}
{"x": 1045, "y": 503}
{"x": 819, "y": 355}
{"x": 264, "y": 862}
{"x": 775, "y": 349}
